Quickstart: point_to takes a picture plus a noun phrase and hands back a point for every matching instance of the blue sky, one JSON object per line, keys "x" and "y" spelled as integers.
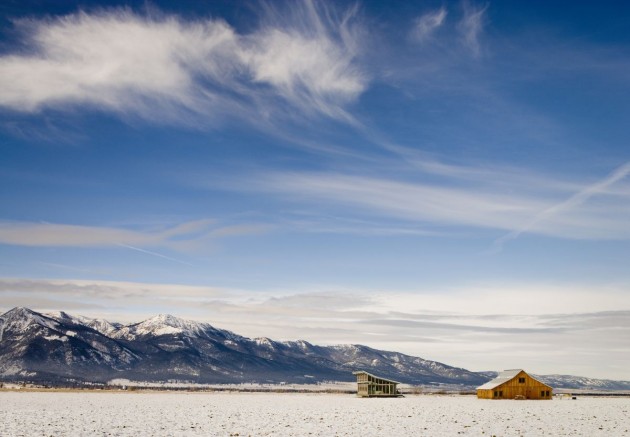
{"x": 445, "y": 179}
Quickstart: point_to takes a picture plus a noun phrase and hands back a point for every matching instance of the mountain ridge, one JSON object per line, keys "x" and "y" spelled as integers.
{"x": 57, "y": 347}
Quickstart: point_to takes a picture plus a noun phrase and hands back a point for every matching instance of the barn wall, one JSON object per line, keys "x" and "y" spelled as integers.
{"x": 484, "y": 394}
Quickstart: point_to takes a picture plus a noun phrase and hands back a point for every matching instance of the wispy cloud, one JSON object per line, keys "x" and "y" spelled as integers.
{"x": 167, "y": 68}
{"x": 159, "y": 255}
{"x": 116, "y": 296}
{"x": 574, "y": 201}
{"x": 183, "y": 236}
{"x": 308, "y": 56}
{"x": 467, "y": 198}
{"x": 316, "y": 222}
{"x": 471, "y": 26}
{"x": 427, "y": 24}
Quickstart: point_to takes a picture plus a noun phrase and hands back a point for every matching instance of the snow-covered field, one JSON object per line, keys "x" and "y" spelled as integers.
{"x": 243, "y": 414}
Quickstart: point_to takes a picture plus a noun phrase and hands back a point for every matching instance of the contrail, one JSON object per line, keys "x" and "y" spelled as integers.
{"x": 159, "y": 255}
{"x": 573, "y": 201}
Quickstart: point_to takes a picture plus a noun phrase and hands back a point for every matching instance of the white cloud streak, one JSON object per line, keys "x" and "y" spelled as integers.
{"x": 426, "y": 25}
{"x": 571, "y": 203}
{"x": 411, "y": 201}
{"x": 117, "y": 296}
{"x": 490, "y": 199}
{"x": 166, "y": 68}
{"x": 471, "y": 26}
{"x": 159, "y": 255}
{"x": 183, "y": 236}
{"x": 311, "y": 60}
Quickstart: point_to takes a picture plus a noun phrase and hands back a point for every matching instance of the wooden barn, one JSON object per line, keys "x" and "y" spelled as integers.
{"x": 514, "y": 384}
{"x": 372, "y": 386}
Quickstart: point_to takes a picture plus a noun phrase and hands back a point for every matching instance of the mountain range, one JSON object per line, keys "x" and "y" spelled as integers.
{"x": 57, "y": 348}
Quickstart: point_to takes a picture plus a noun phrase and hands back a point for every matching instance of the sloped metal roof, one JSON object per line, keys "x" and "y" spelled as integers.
{"x": 374, "y": 376}
{"x": 504, "y": 376}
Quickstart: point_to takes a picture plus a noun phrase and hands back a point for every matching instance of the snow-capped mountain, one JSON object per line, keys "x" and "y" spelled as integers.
{"x": 57, "y": 347}
{"x": 583, "y": 383}
{"x": 62, "y": 346}
{"x": 49, "y": 346}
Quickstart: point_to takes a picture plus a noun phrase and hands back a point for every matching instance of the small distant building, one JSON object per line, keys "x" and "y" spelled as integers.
{"x": 372, "y": 386}
{"x": 514, "y": 384}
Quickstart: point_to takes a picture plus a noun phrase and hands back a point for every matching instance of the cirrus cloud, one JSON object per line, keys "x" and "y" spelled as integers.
{"x": 471, "y": 26}
{"x": 427, "y": 24}
{"x": 516, "y": 202}
{"x": 168, "y": 68}
{"x": 179, "y": 237}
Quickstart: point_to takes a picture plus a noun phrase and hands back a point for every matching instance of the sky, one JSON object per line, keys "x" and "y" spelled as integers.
{"x": 448, "y": 180}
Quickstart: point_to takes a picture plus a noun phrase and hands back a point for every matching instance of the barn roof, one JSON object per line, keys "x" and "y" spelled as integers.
{"x": 504, "y": 376}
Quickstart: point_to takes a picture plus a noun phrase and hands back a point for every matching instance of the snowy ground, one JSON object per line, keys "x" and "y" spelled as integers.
{"x": 243, "y": 414}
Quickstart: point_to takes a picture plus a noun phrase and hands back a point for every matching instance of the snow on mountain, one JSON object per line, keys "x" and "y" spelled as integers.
{"x": 103, "y": 326}
{"x": 165, "y": 324}
{"x": 22, "y": 319}
{"x": 100, "y": 325}
{"x": 302, "y": 345}
{"x": 62, "y": 316}
{"x": 583, "y": 383}
{"x": 57, "y": 345}
{"x": 265, "y": 342}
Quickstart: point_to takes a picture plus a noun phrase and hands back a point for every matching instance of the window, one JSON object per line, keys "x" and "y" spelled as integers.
{"x": 542, "y": 394}
{"x": 500, "y": 394}
{"x": 496, "y": 393}
{"x": 547, "y": 393}
{"x": 521, "y": 380}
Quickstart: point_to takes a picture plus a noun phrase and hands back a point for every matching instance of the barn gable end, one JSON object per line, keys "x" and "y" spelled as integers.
{"x": 514, "y": 384}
